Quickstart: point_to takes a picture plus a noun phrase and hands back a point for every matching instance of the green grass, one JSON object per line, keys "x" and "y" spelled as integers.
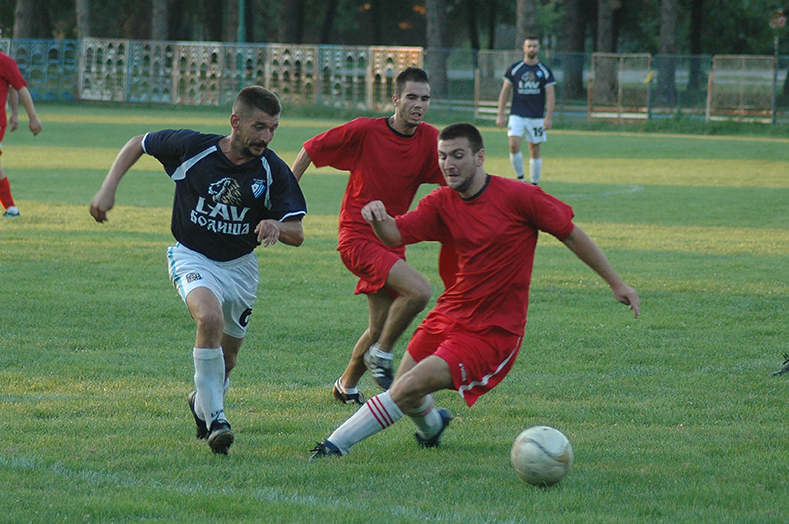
{"x": 673, "y": 417}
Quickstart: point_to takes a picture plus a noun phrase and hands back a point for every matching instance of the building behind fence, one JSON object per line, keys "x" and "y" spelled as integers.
{"x": 622, "y": 87}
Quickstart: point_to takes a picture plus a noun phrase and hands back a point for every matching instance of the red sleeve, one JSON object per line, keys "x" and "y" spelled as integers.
{"x": 548, "y": 213}
{"x": 9, "y": 72}
{"x": 336, "y": 147}
{"x": 424, "y": 224}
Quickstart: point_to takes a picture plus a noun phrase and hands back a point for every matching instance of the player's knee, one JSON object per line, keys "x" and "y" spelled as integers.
{"x": 210, "y": 324}
{"x": 419, "y": 293}
{"x": 406, "y": 393}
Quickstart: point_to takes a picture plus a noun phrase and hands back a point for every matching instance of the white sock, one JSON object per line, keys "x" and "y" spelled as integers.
{"x": 209, "y": 381}
{"x": 347, "y": 391}
{"x": 376, "y": 415}
{"x": 226, "y": 387}
{"x": 376, "y": 351}
{"x": 12, "y": 209}
{"x": 427, "y": 418}
{"x": 516, "y": 159}
{"x": 535, "y": 169}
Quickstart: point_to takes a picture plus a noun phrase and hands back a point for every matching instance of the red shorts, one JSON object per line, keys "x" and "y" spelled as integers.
{"x": 370, "y": 261}
{"x": 478, "y": 360}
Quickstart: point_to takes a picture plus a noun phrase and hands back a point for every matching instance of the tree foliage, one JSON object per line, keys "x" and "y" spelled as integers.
{"x": 725, "y": 26}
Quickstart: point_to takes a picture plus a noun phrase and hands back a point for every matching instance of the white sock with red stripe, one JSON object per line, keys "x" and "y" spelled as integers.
{"x": 427, "y": 418}
{"x": 376, "y": 415}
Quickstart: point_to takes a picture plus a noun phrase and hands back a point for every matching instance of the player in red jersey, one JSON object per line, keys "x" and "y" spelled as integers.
{"x": 471, "y": 339}
{"x": 14, "y": 89}
{"x": 388, "y": 159}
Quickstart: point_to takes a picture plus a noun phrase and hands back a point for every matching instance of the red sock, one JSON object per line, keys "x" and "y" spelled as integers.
{"x": 5, "y": 193}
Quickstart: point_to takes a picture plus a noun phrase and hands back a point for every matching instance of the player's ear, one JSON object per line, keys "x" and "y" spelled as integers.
{"x": 235, "y": 121}
{"x": 480, "y": 157}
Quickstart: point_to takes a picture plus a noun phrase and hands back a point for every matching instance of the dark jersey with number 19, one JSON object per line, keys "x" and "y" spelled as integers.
{"x": 217, "y": 203}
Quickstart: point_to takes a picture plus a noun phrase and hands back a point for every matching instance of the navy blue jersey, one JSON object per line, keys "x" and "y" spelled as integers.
{"x": 528, "y": 86}
{"x": 217, "y": 203}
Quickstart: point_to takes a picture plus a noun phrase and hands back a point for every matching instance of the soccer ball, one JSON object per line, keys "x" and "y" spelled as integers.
{"x": 541, "y": 455}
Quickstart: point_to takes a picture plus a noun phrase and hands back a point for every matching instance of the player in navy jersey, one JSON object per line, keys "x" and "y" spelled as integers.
{"x": 232, "y": 194}
{"x": 531, "y": 84}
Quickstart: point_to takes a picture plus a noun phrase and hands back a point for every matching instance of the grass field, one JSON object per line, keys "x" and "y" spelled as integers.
{"x": 674, "y": 417}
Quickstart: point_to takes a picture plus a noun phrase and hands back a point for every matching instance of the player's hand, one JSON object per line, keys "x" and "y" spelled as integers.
{"x": 628, "y": 296}
{"x": 375, "y": 211}
{"x": 13, "y": 122}
{"x": 268, "y": 232}
{"x": 101, "y": 203}
{"x": 35, "y": 126}
{"x": 547, "y": 123}
{"x": 501, "y": 121}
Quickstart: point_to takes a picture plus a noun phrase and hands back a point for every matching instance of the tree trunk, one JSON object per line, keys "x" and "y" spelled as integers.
{"x": 436, "y": 58}
{"x": 83, "y": 18}
{"x": 666, "y": 66}
{"x": 606, "y": 84}
{"x": 158, "y": 20}
{"x": 526, "y": 23}
{"x": 492, "y": 11}
{"x": 291, "y": 21}
{"x": 696, "y": 16}
{"x": 230, "y": 25}
{"x": 471, "y": 17}
{"x": 25, "y": 19}
{"x": 605, "y": 25}
{"x": 328, "y": 21}
{"x": 574, "y": 40}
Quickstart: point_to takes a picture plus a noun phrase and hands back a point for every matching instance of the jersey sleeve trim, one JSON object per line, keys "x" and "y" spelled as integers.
{"x": 180, "y": 171}
{"x": 144, "y": 138}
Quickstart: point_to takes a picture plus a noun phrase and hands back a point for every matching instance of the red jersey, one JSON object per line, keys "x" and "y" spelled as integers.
{"x": 495, "y": 235}
{"x": 9, "y": 76}
{"x": 384, "y": 165}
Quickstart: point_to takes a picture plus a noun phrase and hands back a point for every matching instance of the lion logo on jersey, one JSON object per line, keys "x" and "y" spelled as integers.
{"x": 226, "y": 191}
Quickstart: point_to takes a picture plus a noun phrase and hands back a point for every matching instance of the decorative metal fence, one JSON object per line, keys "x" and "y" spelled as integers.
{"x": 612, "y": 86}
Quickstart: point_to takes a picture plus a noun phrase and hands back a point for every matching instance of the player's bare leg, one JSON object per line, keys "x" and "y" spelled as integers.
{"x": 345, "y": 389}
{"x": 6, "y": 198}
{"x": 414, "y": 294}
{"x": 516, "y": 155}
{"x": 411, "y": 395}
{"x": 208, "y": 403}
{"x": 535, "y": 163}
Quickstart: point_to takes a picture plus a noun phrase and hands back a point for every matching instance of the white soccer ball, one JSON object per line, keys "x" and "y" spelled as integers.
{"x": 541, "y": 455}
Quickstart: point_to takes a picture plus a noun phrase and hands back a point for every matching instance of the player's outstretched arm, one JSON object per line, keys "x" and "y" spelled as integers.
{"x": 301, "y": 164}
{"x": 104, "y": 199}
{"x": 384, "y": 225}
{"x": 585, "y": 249}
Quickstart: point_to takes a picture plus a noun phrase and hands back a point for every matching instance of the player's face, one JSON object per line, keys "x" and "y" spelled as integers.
{"x": 255, "y": 132}
{"x": 412, "y": 105}
{"x": 459, "y": 164}
{"x": 531, "y": 48}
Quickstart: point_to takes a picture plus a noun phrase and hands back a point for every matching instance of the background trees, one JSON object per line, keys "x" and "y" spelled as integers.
{"x": 699, "y": 26}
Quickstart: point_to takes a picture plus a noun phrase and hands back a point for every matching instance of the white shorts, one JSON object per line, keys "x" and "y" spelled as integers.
{"x": 234, "y": 283}
{"x": 530, "y": 128}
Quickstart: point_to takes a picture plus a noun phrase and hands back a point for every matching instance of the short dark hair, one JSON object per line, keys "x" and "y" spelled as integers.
{"x": 256, "y": 97}
{"x": 463, "y": 130}
{"x": 410, "y": 74}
